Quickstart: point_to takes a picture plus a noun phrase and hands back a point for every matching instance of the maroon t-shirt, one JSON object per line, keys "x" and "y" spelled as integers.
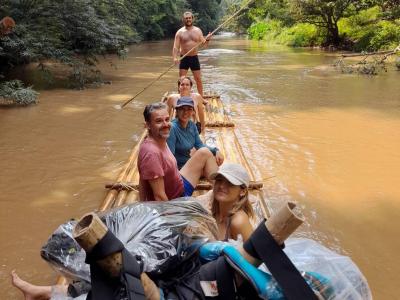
{"x": 155, "y": 162}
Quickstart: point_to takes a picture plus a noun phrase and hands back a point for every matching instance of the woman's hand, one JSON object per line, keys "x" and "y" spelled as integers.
{"x": 219, "y": 158}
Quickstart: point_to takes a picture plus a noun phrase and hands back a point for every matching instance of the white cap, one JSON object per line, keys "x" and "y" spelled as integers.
{"x": 234, "y": 173}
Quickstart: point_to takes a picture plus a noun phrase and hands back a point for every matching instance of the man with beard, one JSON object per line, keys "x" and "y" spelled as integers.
{"x": 160, "y": 179}
{"x": 187, "y": 38}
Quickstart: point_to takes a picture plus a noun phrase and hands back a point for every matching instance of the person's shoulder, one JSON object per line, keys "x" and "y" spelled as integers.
{"x": 148, "y": 146}
{"x": 174, "y": 127}
{"x": 239, "y": 218}
{"x": 196, "y": 96}
{"x": 180, "y": 30}
{"x": 171, "y": 99}
{"x": 192, "y": 125}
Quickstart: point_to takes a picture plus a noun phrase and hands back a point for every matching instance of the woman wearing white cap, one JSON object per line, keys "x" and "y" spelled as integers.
{"x": 230, "y": 205}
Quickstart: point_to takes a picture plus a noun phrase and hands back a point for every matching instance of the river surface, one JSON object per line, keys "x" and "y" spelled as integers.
{"x": 329, "y": 141}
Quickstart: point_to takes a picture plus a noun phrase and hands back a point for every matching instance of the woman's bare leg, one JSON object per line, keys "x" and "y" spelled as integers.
{"x": 34, "y": 292}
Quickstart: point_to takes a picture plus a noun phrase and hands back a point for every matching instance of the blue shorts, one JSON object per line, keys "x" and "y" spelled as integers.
{"x": 187, "y": 187}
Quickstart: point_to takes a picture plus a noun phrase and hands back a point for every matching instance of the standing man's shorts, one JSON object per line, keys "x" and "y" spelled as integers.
{"x": 191, "y": 62}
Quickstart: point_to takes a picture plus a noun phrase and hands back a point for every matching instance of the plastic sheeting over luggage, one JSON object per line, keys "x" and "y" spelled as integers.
{"x": 162, "y": 231}
{"x": 156, "y": 231}
{"x": 334, "y": 275}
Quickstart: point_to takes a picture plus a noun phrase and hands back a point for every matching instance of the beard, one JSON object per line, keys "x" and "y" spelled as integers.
{"x": 163, "y": 133}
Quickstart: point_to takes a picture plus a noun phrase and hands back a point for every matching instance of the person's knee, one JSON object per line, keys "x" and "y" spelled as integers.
{"x": 204, "y": 152}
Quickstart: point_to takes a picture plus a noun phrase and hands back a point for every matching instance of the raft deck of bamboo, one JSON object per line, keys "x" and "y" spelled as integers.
{"x": 220, "y": 132}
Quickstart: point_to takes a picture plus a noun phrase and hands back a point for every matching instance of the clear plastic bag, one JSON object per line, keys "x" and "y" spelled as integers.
{"x": 334, "y": 275}
{"x": 156, "y": 231}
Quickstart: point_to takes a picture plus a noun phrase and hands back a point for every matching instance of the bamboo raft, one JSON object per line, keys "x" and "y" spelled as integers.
{"x": 220, "y": 132}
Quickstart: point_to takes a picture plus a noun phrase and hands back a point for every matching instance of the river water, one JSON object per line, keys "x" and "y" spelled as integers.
{"x": 329, "y": 141}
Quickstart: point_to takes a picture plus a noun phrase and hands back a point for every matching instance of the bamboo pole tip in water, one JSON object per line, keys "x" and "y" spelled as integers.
{"x": 118, "y": 107}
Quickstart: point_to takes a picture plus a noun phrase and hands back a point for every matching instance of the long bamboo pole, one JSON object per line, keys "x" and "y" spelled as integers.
{"x": 186, "y": 54}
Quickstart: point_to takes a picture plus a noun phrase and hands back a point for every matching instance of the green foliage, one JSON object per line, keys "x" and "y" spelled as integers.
{"x": 258, "y": 31}
{"x": 301, "y": 35}
{"x": 366, "y": 32}
{"x": 362, "y": 25}
{"x": 387, "y": 36}
{"x": 76, "y": 32}
{"x": 206, "y": 12}
{"x": 14, "y": 92}
{"x": 266, "y": 30}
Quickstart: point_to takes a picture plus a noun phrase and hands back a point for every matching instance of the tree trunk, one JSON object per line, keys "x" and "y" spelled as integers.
{"x": 333, "y": 34}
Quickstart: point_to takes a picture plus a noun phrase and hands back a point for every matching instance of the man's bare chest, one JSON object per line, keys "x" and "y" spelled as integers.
{"x": 190, "y": 36}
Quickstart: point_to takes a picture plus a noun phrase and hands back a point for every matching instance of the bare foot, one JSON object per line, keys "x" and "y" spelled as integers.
{"x": 30, "y": 291}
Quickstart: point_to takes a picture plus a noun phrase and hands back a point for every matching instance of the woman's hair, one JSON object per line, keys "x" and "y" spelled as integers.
{"x": 242, "y": 204}
{"x": 152, "y": 107}
{"x": 183, "y": 78}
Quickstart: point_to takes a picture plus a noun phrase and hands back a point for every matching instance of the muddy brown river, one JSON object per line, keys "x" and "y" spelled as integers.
{"x": 329, "y": 141}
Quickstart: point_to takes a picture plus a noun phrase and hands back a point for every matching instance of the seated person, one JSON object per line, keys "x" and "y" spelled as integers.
{"x": 160, "y": 178}
{"x": 184, "y": 136}
{"x": 229, "y": 203}
{"x": 185, "y": 89}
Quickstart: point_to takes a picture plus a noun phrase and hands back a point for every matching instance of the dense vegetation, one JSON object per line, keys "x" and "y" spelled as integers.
{"x": 359, "y": 25}
{"x": 75, "y": 32}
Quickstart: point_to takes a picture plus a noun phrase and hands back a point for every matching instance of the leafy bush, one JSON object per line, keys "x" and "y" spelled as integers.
{"x": 258, "y": 31}
{"x": 366, "y": 32}
{"x": 75, "y": 32}
{"x": 14, "y": 92}
{"x": 265, "y": 30}
{"x": 301, "y": 35}
{"x": 386, "y": 36}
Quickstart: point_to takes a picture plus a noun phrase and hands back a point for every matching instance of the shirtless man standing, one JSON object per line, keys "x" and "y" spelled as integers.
{"x": 185, "y": 39}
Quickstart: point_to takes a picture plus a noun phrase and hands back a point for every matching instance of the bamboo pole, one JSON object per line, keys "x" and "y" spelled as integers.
{"x": 284, "y": 222}
{"x": 112, "y": 194}
{"x": 202, "y": 186}
{"x": 187, "y": 53}
{"x": 88, "y": 232}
